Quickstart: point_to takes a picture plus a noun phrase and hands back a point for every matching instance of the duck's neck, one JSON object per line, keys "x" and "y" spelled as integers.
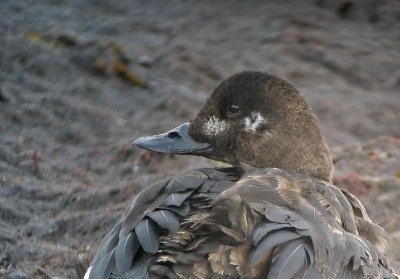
{"x": 314, "y": 161}
{"x": 298, "y": 151}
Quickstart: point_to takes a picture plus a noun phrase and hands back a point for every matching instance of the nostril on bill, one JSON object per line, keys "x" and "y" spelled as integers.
{"x": 173, "y": 135}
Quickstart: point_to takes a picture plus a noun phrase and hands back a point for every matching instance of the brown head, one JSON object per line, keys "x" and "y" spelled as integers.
{"x": 252, "y": 118}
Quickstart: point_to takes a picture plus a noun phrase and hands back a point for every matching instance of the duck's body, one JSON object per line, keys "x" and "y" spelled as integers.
{"x": 246, "y": 221}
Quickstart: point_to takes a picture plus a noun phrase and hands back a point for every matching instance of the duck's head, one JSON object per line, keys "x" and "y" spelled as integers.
{"x": 256, "y": 119}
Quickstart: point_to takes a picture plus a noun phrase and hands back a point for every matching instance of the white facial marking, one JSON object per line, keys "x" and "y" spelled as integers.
{"x": 253, "y": 122}
{"x": 214, "y": 126}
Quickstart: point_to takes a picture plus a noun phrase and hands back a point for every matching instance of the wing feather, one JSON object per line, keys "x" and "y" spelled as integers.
{"x": 148, "y": 235}
{"x": 260, "y": 231}
{"x": 269, "y": 242}
{"x": 126, "y": 250}
{"x": 165, "y": 219}
{"x": 104, "y": 267}
{"x": 290, "y": 260}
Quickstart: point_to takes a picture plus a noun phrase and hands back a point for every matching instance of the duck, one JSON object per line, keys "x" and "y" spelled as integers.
{"x": 272, "y": 213}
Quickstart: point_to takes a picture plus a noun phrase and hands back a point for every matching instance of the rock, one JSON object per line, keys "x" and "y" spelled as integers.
{"x": 146, "y": 61}
{"x": 4, "y": 98}
{"x": 18, "y": 274}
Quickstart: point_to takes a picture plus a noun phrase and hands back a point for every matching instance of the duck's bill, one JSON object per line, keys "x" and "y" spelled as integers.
{"x": 175, "y": 141}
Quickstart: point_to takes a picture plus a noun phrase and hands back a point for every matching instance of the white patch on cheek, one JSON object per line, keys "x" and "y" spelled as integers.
{"x": 214, "y": 126}
{"x": 247, "y": 123}
{"x": 253, "y": 122}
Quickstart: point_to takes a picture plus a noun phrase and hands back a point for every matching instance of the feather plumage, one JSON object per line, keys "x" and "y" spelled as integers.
{"x": 268, "y": 243}
{"x": 291, "y": 258}
{"x": 104, "y": 267}
{"x": 251, "y": 232}
{"x": 165, "y": 219}
{"x": 261, "y": 230}
{"x": 148, "y": 235}
{"x": 125, "y": 251}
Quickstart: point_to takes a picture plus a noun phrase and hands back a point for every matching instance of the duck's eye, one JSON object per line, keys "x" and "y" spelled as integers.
{"x": 233, "y": 110}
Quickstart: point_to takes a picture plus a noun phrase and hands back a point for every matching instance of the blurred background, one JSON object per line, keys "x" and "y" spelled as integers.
{"x": 79, "y": 80}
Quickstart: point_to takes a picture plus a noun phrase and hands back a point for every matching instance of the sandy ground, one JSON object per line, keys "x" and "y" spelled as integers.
{"x": 80, "y": 79}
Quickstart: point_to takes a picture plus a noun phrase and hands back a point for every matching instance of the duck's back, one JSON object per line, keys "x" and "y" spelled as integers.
{"x": 236, "y": 223}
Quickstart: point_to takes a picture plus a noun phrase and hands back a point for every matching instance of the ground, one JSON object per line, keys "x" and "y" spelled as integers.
{"x": 79, "y": 80}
